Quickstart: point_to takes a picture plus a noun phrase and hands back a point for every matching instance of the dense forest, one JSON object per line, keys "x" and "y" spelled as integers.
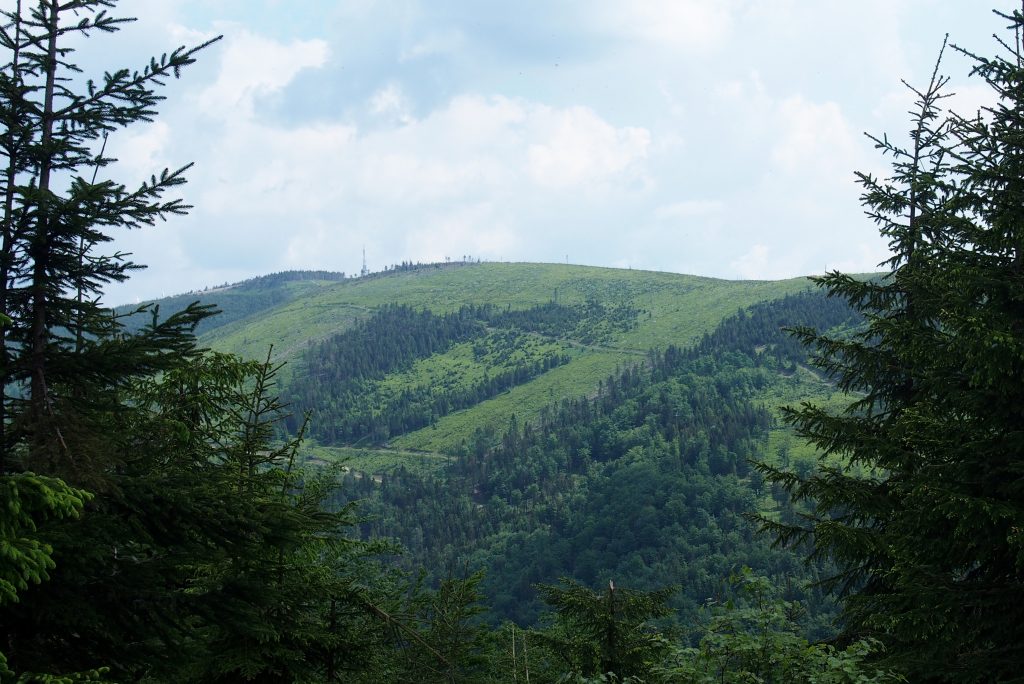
{"x": 338, "y": 381}
{"x": 648, "y": 481}
{"x": 161, "y": 521}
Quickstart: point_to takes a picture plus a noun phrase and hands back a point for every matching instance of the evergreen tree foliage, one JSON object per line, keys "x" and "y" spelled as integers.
{"x": 209, "y": 556}
{"x": 340, "y": 380}
{"x": 606, "y": 634}
{"x": 201, "y": 552}
{"x": 451, "y": 643}
{"x": 154, "y": 527}
{"x": 57, "y": 212}
{"x": 755, "y": 636}
{"x": 925, "y": 516}
{"x": 646, "y": 482}
{"x": 27, "y": 500}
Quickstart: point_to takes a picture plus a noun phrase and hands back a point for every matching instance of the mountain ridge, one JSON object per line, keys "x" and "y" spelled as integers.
{"x": 446, "y": 393}
{"x": 290, "y": 312}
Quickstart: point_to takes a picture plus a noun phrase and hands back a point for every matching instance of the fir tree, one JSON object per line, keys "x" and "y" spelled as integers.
{"x": 756, "y": 636}
{"x": 64, "y": 363}
{"x": 924, "y": 518}
{"x": 203, "y": 553}
{"x": 607, "y": 635}
{"x": 58, "y": 209}
{"x": 28, "y": 500}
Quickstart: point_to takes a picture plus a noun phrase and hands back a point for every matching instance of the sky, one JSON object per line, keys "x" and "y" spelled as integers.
{"x": 710, "y": 137}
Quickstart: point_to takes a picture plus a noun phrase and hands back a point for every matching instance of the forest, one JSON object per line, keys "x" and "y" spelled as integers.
{"x": 823, "y": 486}
{"x": 648, "y": 480}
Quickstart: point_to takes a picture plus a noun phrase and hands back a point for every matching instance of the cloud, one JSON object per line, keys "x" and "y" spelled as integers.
{"x": 435, "y": 43}
{"x": 252, "y": 67}
{"x": 671, "y": 133}
{"x": 460, "y": 178}
{"x": 762, "y": 262}
{"x": 141, "y": 151}
{"x": 265, "y": 170}
{"x": 472, "y": 146}
{"x": 866, "y": 36}
{"x": 969, "y": 99}
{"x": 815, "y": 137}
{"x": 753, "y": 264}
{"x": 680, "y": 25}
{"x": 478, "y": 121}
{"x": 579, "y": 147}
{"x": 390, "y": 103}
{"x": 473, "y": 230}
{"x": 862, "y": 257}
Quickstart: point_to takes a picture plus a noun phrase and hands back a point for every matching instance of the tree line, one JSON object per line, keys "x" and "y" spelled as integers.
{"x": 338, "y": 380}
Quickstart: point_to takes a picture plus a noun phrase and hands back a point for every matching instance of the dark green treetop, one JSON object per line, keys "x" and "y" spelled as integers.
{"x": 58, "y": 208}
{"x": 925, "y": 518}
{"x": 606, "y": 634}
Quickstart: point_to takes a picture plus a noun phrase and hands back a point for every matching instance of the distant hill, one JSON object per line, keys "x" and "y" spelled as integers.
{"x": 292, "y": 311}
{"x": 242, "y": 300}
{"x": 541, "y": 420}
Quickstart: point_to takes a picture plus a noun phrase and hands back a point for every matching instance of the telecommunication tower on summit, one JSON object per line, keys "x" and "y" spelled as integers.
{"x": 365, "y": 271}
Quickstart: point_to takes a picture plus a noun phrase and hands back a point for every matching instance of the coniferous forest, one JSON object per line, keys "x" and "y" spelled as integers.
{"x": 815, "y": 484}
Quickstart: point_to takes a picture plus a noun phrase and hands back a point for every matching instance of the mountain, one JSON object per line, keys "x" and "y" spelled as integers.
{"x": 292, "y": 311}
{"x": 547, "y": 420}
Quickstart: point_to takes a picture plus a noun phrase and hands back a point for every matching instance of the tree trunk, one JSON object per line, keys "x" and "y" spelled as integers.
{"x": 7, "y": 255}
{"x": 40, "y": 250}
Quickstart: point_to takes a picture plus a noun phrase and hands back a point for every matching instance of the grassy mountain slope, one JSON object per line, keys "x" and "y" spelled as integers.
{"x": 242, "y": 301}
{"x": 680, "y": 307}
{"x": 669, "y": 309}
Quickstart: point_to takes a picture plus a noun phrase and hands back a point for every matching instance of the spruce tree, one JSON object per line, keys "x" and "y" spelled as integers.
{"x": 65, "y": 362}
{"x": 756, "y": 636}
{"x": 58, "y": 210}
{"x": 608, "y": 636}
{"x": 924, "y": 517}
{"x": 202, "y": 553}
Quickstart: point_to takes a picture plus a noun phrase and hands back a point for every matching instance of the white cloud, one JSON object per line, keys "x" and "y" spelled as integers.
{"x": 471, "y": 147}
{"x": 184, "y": 35}
{"x": 578, "y": 147}
{"x": 475, "y": 230}
{"x": 140, "y": 151}
{"x": 435, "y": 43}
{"x": 412, "y": 179}
{"x": 463, "y": 150}
{"x": 753, "y": 264}
{"x": 252, "y": 67}
{"x": 815, "y": 138}
{"x": 391, "y": 103}
{"x": 762, "y": 262}
{"x": 681, "y": 25}
{"x": 864, "y": 257}
{"x": 867, "y": 34}
{"x": 478, "y": 121}
{"x": 259, "y": 169}
{"x": 449, "y": 183}
{"x": 794, "y": 201}
{"x": 968, "y": 99}
{"x": 437, "y": 132}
